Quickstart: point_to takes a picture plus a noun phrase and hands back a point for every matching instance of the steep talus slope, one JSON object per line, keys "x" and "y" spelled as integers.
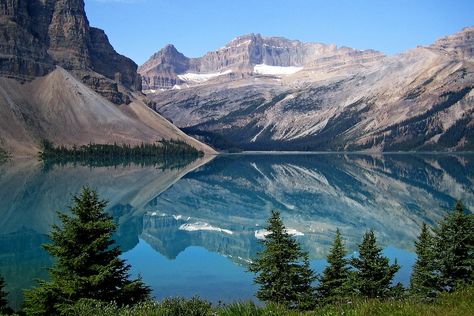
{"x": 60, "y": 79}
{"x": 272, "y": 93}
{"x": 60, "y": 108}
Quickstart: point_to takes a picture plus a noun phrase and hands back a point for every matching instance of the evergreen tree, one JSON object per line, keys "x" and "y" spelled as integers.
{"x": 335, "y": 282}
{"x": 423, "y": 278}
{"x": 88, "y": 264}
{"x": 454, "y": 244}
{"x": 3, "y": 297}
{"x": 374, "y": 273}
{"x": 282, "y": 269}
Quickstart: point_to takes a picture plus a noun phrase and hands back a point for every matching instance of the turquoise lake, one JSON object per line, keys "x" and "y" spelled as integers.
{"x": 191, "y": 230}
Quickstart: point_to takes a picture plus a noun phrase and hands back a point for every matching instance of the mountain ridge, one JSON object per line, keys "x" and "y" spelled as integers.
{"x": 321, "y": 97}
{"x": 239, "y": 55}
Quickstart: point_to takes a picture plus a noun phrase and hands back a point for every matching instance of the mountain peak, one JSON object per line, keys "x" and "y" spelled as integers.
{"x": 460, "y": 44}
{"x": 169, "y": 48}
{"x": 57, "y": 33}
{"x": 168, "y": 59}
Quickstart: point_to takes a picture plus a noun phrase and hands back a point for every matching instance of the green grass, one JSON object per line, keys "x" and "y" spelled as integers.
{"x": 454, "y": 304}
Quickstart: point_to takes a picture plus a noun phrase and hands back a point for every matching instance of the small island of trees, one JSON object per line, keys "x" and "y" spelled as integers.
{"x": 166, "y": 153}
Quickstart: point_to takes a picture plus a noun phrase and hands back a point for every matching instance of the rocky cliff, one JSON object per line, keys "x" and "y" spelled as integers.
{"x": 39, "y": 35}
{"x": 243, "y": 57}
{"x": 61, "y": 80}
{"x": 260, "y": 93}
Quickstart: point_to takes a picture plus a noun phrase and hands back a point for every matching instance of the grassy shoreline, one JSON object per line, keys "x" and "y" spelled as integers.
{"x": 459, "y": 303}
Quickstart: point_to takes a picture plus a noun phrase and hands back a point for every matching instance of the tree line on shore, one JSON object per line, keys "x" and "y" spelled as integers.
{"x": 162, "y": 148}
{"x": 89, "y": 274}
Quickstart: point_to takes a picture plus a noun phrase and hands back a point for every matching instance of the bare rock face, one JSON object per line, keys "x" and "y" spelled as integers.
{"x": 23, "y": 53}
{"x": 106, "y": 61}
{"x": 162, "y": 69}
{"x": 61, "y": 80}
{"x": 460, "y": 45}
{"x": 68, "y": 35}
{"x": 169, "y": 69}
{"x": 260, "y": 93}
{"x": 38, "y": 35}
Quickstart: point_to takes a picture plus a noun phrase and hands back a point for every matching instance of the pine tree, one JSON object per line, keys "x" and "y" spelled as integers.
{"x": 454, "y": 244}
{"x": 282, "y": 269}
{"x": 335, "y": 282}
{"x": 374, "y": 273}
{"x": 88, "y": 264}
{"x": 3, "y": 297}
{"x": 423, "y": 279}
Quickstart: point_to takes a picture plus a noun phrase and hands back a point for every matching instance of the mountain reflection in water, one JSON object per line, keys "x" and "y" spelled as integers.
{"x": 220, "y": 206}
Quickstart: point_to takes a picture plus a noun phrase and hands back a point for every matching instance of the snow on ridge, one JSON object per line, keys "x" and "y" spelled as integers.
{"x": 310, "y": 131}
{"x": 235, "y": 46}
{"x": 262, "y": 233}
{"x": 198, "y": 78}
{"x": 254, "y": 139}
{"x": 203, "y": 226}
{"x": 273, "y": 46}
{"x": 262, "y": 69}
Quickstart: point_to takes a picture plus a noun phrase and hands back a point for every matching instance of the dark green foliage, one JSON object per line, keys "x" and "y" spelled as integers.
{"x": 88, "y": 265}
{"x": 183, "y": 307}
{"x": 214, "y": 139}
{"x": 3, "y": 297}
{"x": 454, "y": 243}
{"x": 168, "y": 307}
{"x": 282, "y": 269}
{"x": 459, "y": 303}
{"x": 335, "y": 282}
{"x": 423, "y": 280}
{"x": 373, "y": 272}
{"x": 161, "y": 149}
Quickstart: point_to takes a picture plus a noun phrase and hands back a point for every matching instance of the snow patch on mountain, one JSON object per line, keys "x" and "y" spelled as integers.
{"x": 244, "y": 43}
{"x": 199, "y": 78}
{"x": 263, "y": 69}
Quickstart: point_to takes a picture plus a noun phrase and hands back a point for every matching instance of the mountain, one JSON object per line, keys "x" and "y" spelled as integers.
{"x": 60, "y": 79}
{"x": 271, "y": 93}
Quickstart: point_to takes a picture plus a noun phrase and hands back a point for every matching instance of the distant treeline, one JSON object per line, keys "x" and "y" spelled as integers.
{"x": 165, "y": 153}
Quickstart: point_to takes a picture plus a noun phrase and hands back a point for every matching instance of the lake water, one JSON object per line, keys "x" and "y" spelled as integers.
{"x": 191, "y": 230}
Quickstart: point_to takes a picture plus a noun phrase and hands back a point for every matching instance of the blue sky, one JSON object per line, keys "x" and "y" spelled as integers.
{"x": 138, "y": 28}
